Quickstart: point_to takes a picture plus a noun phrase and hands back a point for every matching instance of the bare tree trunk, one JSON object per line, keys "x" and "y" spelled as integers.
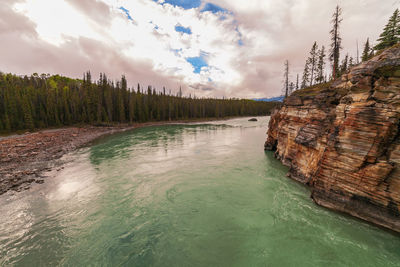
{"x": 286, "y": 76}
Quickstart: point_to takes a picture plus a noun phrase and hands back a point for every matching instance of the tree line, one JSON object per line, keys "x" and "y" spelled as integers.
{"x": 32, "y": 102}
{"x": 314, "y": 69}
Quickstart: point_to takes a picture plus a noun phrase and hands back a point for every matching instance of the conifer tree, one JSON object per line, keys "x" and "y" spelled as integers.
{"x": 65, "y": 109}
{"x": 313, "y": 62}
{"x": 121, "y": 102}
{"x": 391, "y": 32}
{"x": 321, "y": 65}
{"x": 131, "y": 106}
{"x": 366, "y": 52}
{"x": 344, "y": 66}
{"x": 306, "y": 75}
{"x": 7, "y": 124}
{"x": 351, "y": 62}
{"x": 336, "y": 41}
{"x": 44, "y": 101}
{"x": 28, "y": 120}
{"x": 297, "y": 82}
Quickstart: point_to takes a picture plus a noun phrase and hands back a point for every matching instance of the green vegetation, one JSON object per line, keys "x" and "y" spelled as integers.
{"x": 391, "y": 33}
{"x": 312, "y": 90}
{"x": 28, "y": 103}
{"x": 388, "y": 71}
{"x": 368, "y": 51}
{"x": 314, "y": 68}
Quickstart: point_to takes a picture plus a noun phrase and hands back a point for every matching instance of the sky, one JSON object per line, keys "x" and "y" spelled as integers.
{"x": 216, "y": 48}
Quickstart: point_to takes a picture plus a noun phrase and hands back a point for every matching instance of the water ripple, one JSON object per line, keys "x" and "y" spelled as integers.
{"x": 182, "y": 195}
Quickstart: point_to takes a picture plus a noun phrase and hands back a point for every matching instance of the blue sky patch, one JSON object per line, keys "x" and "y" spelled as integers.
{"x": 189, "y": 4}
{"x": 126, "y": 11}
{"x": 182, "y": 29}
{"x": 177, "y": 51}
{"x": 156, "y": 27}
{"x": 185, "y": 4}
{"x": 240, "y": 42}
{"x": 213, "y": 8}
{"x": 197, "y": 63}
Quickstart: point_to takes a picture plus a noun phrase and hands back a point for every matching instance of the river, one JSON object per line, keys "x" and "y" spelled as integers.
{"x": 182, "y": 195}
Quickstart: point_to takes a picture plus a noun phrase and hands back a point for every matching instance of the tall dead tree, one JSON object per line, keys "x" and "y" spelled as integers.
{"x": 286, "y": 78}
{"x": 313, "y": 62}
{"x": 336, "y": 41}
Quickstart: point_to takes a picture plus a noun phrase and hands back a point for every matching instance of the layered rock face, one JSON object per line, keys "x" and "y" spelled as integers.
{"x": 343, "y": 140}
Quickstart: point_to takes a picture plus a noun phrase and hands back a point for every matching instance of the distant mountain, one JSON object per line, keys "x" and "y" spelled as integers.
{"x": 272, "y": 99}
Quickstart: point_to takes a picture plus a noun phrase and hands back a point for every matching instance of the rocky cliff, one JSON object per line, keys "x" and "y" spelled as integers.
{"x": 343, "y": 140}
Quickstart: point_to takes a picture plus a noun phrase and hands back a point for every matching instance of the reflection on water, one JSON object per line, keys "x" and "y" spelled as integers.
{"x": 182, "y": 195}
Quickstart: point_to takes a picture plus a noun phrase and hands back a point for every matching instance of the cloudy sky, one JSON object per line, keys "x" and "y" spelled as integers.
{"x": 230, "y": 48}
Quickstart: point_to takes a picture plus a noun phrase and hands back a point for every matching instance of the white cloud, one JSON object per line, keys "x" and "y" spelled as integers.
{"x": 56, "y": 19}
{"x": 96, "y": 34}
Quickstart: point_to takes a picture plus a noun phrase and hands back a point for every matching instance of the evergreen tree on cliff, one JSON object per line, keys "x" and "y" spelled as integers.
{"x": 313, "y": 62}
{"x": 351, "y": 62}
{"x": 306, "y": 75}
{"x": 391, "y": 33}
{"x": 345, "y": 64}
{"x": 321, "y": 65}
{"x": 336, "y": 41}
{"x": 366, "y": 52}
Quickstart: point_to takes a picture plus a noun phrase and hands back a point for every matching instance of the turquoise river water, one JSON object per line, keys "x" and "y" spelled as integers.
{"x": 182, "y": 195}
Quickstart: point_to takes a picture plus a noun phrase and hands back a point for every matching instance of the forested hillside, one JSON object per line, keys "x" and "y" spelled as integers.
{"x": 47, "y": 101}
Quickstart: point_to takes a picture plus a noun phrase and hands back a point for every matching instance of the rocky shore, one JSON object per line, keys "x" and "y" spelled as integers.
{"x": 343, "y": 140}
{"x": 23, "y": 159}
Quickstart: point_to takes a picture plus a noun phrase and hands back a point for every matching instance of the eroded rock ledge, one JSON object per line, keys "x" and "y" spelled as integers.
{"x": 343, "y": 140}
